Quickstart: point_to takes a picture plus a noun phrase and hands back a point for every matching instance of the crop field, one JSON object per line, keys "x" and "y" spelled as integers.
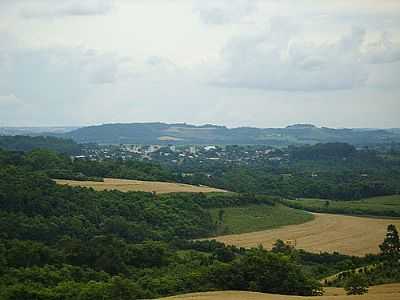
{"x": 379, "y": 292}
{"x": 379, "y": 206}
{"x": 259, "y": 217}
{"x": 125, "y": 185}
{"x": 327, "y": 232}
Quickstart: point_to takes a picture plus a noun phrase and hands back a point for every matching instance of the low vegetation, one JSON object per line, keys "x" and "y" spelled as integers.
{"x": 256, "y": 217}
{"x": 377, "y": 206}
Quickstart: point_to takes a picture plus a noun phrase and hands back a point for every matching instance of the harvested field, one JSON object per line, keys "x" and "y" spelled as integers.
{"x": 327, "y": 232}
{"x": 125, "y": 185}
{"x": 379, "y": 292}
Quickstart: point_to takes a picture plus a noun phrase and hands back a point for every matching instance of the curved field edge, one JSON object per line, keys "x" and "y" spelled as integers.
{"x": 250, "y": 218}
{"x": 349, "y": 235}
{"x": 379, "y": 292}
{"x": 383, "y": 206}
{"x": 127, "y": 185}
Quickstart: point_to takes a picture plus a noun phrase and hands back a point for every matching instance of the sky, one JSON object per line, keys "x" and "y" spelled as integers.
{"x": 263, "y": 63}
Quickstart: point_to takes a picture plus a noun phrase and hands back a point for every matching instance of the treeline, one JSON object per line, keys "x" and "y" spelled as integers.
{"x": 353, "y": 209}
{"x": 28, "y": 143}
{"x": 60, "y": 166}
{"x": 327, "y": 171}
{"x": 338, "y": 185}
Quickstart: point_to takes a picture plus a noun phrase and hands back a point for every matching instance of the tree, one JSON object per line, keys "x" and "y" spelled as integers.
{"x": 221, "y": 213}
{"x": 281, "y": 247}
{"x": 356, "y": 284}
{"x": 390, "y": 248}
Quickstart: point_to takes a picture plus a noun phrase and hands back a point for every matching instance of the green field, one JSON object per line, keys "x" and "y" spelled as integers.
{"x": 378, "y": 206}
{"x": 257, "y": 217}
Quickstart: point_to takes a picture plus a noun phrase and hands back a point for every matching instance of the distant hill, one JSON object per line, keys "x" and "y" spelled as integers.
{"x": 182, "y": 133}
{"x": 34, "y": 130}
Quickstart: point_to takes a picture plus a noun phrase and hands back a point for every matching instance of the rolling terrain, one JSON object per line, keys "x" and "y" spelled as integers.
{"x": 182, "y": 133}
{"x": 125, "y": 185}
{"x": 379, "y": 292}
{"x": 327, "y": 232}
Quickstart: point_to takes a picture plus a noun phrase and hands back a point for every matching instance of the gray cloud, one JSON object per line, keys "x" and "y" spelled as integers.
{"x": 224, "y": 11}
{"x": 276, "y": 60}
{"x": 44, "y": 9}
{"x": 384, "y": 50}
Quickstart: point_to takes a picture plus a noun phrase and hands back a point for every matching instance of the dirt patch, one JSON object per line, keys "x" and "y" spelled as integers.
{"x": 126, "y": 185}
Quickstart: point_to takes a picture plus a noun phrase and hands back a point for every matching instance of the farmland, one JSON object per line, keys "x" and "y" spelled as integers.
{"x": 258, "y": 217}
{"x": 386, "y": 291}
{"x": 377, "y": 206}
{"x": 125, "y": 185}
{"x": 327, "y": 232}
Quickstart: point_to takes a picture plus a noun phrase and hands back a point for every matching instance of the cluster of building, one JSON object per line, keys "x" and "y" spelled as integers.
{"x": 178, "y": 153}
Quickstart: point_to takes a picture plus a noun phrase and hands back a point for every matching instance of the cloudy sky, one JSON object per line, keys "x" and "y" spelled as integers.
{"x": 265, "y": 63}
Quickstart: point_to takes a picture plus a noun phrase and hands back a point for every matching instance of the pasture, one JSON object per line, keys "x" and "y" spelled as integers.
{"x": 327, "y": 232}
{"x": 258, "y": 217}
{"x": 125, "y": 185}
{"x": 379, "y": 292}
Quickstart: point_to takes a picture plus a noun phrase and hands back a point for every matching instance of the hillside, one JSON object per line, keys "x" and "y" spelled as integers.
{"x": 327, "y": 232}
{"x": 385, "y": 291}
{"x": 158, "y": 133}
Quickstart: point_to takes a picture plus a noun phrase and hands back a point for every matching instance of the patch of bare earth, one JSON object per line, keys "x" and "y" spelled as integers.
{"x": 125, "y": 185}
{"x": 327, "y": 232}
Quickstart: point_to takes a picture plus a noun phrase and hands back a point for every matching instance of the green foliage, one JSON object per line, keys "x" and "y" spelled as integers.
{"x": 356, "y": 284}
{"x": 28, "y": 143}
{"x": 60, "y": 242}
{"x": 390, "y": 248}
{"x": 377, "y": 206}
{"x": 261, "y": 271}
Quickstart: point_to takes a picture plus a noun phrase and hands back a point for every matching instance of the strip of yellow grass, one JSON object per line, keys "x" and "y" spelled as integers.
{"x": 380, "y": 292}
{"x": 126, "y": 185}
{"x": 327, "y": 232}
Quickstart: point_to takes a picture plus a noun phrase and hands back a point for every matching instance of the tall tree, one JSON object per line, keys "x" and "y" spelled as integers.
{"x": 390, "y": 248}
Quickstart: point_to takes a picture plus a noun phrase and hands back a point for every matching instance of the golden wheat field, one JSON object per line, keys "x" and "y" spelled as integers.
{"x": 379, "y": 292}
{"x": 327, "y": 232}
{"x": 126, "y": 185}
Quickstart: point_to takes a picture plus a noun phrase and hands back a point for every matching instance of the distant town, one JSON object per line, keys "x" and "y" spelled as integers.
{"x": 175, "y": 154}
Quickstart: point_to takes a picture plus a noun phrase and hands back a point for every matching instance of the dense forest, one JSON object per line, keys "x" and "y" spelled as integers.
{"x": 59, "y": 242}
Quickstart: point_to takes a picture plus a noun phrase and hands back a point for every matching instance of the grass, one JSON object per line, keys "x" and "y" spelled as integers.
{"x": 258, "y": 217}
{"x": 377, "y": 206}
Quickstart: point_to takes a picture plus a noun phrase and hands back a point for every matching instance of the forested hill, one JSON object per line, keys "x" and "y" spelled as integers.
{"x": 28, "y": 143}
{"x": 158, "y": 133}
